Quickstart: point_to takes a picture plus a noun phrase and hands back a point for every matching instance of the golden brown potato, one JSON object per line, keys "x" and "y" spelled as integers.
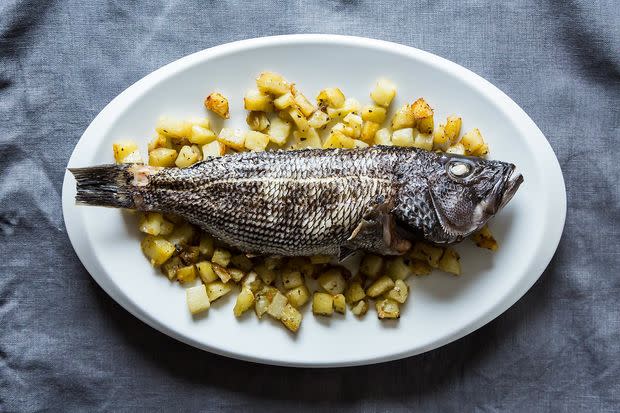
{"x": 387, "y": 308}
{"x": 218, "y": 104}
{"x": 484, "y": 239}
{"x": 403, "y": 118}
{"x": 157, "y": 249}
{"x": 384, "y": 92}
{"x": 380, "y": 286}
{"x": 323, "y": 304}
{"x": 453, "y": 129}
{"x": 423, "y": 115}
{"x": 330, "y": 97}
{"x": 244, "y": 302}
{"x": 298, "y": 296}
{"x": 340, "y": 303}
{"x": 291, "y": 318}
{"x": 197, "y": 299}
{"x": 162, "y": 157}
{"x": 272, "y": 83}
{"x": 255, "y": 100}
{"x": 257, "y": 121}
{"x": 449, "y": 262}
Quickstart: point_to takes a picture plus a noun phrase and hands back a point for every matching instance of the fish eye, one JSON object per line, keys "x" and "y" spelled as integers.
{"x": 459, "y": 169}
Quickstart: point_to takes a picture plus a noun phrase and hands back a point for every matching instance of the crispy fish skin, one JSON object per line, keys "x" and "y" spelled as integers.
{"x": 308, "y": 202}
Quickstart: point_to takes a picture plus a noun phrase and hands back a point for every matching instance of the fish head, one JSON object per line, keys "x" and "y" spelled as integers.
{"x": 467, "y": 191}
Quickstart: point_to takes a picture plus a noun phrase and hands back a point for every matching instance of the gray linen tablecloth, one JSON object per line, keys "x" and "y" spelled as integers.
{"x": 66, "y": 346}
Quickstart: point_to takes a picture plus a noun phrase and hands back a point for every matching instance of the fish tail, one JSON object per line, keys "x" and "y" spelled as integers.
{"x": 105, "y": 185}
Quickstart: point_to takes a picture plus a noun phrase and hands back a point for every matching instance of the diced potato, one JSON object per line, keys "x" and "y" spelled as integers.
{"x": 483, "y": 150}
{"x": 253, "y": 282}
{"x": 218, "y": 104}
{"x": 399, "y": 292}
{"x": 350, "y": 105}
{"x": 420, "y": 267}
{"x": 387, "y": 308}
{"x": 201, "y": 121}
{"x": 221, "y": 257}
{"x": 244, "y": 302}
{"x": 206, "y": 247}
{"x": 173, "y": 128}
{"x": 430, "y": 253}
{"x": 298, "y": 296}
{"x": 354, "y": 292}
{"x": 292, "y": 279}
{"x": 318, "y": 119}
{"x": 279, "y": 130}
{"x": 403, "y": 118}
{"x": 186, "y": 274}
{"x": 235, "y": 274}
{"x": 398, "y": 268}
{"x": 276, "y": 308}
{"x": 384, "y": 92}
{"x": 331, "y": 97}
{"x": 453, "y": 129}
{"x": 304, "y": 105}
{"x": 322, "y": 304}
{"x": 221, "y": 272}
{"x": 285, "y": 101}
{"x": 255, "y": 100}
{"x": 360, "y": 308}
{"x": 472, "y": 140}
{"x": 369, "y": 129}
{"x": 235, "y": 138}
{"x": 217, "y": 289}
{"x": 338, "y": 139}
{"x": 182, "y": 235}
{"x": 260, "y": 305}
{"x": 320, "y": 259}
{"x": 449, "y": 262}
{"x": 373, "y": 113}
{"x": 440, "y": 139}
{"x": 162, "y": 157}
{"x": 201, "y": 136}
{"x": 187, "y": 157}
{"x": 299, "y": 119}
{"x": 383, "y": 137}
{"x": 423, "y": 141}
{"x": 371, "y": 265}
{"x": 423, "y": 115}
{"x": 215, "y": 148}
{"x": 197, "y": 299}
{"x": 360, "y": 144}
{"x": 170, "y": 267}
{"x": 291, "y": 318}
{"x": 159, "y": 141}
{"x": 206, "y": 273}
{"x": 484, "y": 239}
{"x": 332, "y": 281}
{"x": 166, "y": 227}
{"x": 136, "y": 157}
{"x": 380, "y": 286}
{"x": 150, "y": 223}
{"x": 269, "y": 292}
{"x": 310, "y": 139}
{"x": 340, "y": 303}
{"x": 403, "y": 137}
{"x": 257, "y": 121}
{"x": 266, "y": 274}
{"x": 272, "y": 83}
{"x": 256, "y": 141}
{"x": 456, "y": 149}
{"x": 123, "y": 148}
{"x": 354, "y": 125}
{"x": 157, "y": 249}
{"x": 242, "y": 262}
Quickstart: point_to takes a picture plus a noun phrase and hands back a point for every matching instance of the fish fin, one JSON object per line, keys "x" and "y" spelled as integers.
{"x": 104, "y": 185}
{"x": 344, "y": 253}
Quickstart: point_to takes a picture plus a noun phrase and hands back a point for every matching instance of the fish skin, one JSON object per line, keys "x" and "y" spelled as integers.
{"x": 308, "y": 202}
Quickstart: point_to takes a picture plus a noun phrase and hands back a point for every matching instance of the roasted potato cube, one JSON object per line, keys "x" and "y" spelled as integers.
{"x": 318, "y": 119}
{"x": 332, "y": 281}
{"x": 256, "y": 141}
{"x": 269, "y": 292}
{"x": 279, "y": 130}
{"x": 337, "y": 139}
{"x": 173, "y": 128}
{"x": 399, "y": 268}
{"x": 159, "y": 141}
{"x": 399, "y": 292}
{"x": 350, "y": 105}
{"x": 206, "y": 273}
{"x": 186, "y": 274}
{"x": 380, "y": 286}
{"x": 420, "y": 267}
{"x": 360, "y": 144}
{"x": 206, "y": 247}
{"x": 373, "y": 113}
{"x": 266, "y": 274}
{"x": 403, "y": 137}
{"x": 157, "y": 249}
{"x": 440, "y": 139}
{"x": 236, "y": 274}
{"x": 235, "y": 138}
{"x": 423, "y": 115}
{"x": 150, "y": 223}
{"x": 483, "y": 150}
{"x": 170, "y": 267}
{"x": 457, "y": 149}
{"x": 383, "y": 93}
{"x": 449, "y": 262}
{"x": 291, "y": 318}
{"x": 383, "y": 137}
{"x": 197, "y": 299}
{"x": 304, "y": 105}
{"x": 331, "y": 97}
{"x": 123, "y": 148}
{"x": 244, "y": 302}
{"x": 221, "y": 257}
{"x": 423, "y": 141}
{"x": 291, "y": 279}
{"x": 253, "y": 282}
{"x": 217, "y": 289}
{"x": 255, "y": 100}
{"x": 221, "y": 272}
{"x": 354, "y": 292}
{"x": 272, "y": 83}
{"x": 360, "y": 308}
{"x": 260, "y": 305}
{"x": 257, "y": 121}
{"x": 299, "y": 119}
{"x": 353, "y": 124}
{"x": 182, "y": 235}
{"x": 371, "y": 265}
{"x": 276, "y": 307}
{"x": 322, "y": 304}
{"x": 309, "y": 139}
{"x": 218, "y": 104}
{"x": 215, "y": 148}
{"x": 403, "y": 118}
{"x": 369, "y": 129}
{"x": 187, "y": 157}
{"x": 387, "y": 308}
{"x": 162, "y": 157}
{"x": 484, "y": 239}
{"x": 242, "y": 262}
{"x": 430, "y": 253}
{"x": 298, "y": 296}
{"x": 201, "y": 136}
{"x": 453, "y": 129}
{"x": 340, "y": 303}
{"x": 472, "y": 140}
{"x": 285, "y": 101}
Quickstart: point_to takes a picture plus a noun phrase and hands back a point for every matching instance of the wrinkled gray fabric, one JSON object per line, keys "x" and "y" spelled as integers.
{"x": 66, "y": 346}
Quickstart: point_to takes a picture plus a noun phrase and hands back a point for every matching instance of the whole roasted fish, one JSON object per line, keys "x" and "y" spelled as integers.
{"x": 298, "y": 203}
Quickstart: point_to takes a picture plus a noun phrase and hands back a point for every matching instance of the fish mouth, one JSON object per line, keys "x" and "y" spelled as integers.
{"x": 504, "y": 190}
